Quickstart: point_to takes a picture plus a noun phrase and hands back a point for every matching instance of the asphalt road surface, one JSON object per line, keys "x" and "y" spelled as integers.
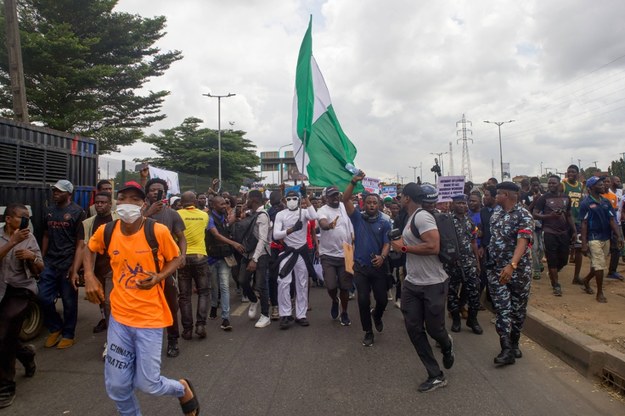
{"x": 319, "y": 370}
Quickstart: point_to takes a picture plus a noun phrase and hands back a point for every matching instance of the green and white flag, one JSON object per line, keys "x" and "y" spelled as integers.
{"x": 321, "y": 148}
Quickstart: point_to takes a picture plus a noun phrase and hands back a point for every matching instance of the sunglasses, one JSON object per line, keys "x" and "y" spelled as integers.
{"x": 292, "y": 198}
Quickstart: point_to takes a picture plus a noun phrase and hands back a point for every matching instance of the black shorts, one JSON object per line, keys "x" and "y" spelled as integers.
{"x": 334, "y": 274}
{"x": 557, "y": 250}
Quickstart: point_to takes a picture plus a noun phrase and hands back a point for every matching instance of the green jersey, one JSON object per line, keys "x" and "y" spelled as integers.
{"x": 575, "y": 192}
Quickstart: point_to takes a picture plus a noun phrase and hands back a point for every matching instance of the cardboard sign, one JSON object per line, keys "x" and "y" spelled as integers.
{"x": 168, "y": 176}
{"x": 371, "y": 185}
{"x": 449, "y": 186}
{"x": 389, "y": 190}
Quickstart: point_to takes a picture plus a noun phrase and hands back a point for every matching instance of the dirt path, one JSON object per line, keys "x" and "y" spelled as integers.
{"x": 603, "y": 321}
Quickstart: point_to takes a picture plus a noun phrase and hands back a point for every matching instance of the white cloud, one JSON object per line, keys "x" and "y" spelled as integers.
{"x": 402, "y": 73}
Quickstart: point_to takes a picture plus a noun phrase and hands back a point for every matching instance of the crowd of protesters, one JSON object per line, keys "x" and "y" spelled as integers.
{"x": 144, "y": 256}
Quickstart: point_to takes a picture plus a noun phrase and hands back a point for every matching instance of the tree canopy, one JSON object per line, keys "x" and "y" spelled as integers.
{"x": 83, "y": 66}
{"x": 190, "y": 149}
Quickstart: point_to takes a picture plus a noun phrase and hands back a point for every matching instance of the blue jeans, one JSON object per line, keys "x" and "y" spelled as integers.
{"x": 133, "y": 361}
{"x": 53, "y": 282}
{"x": 220, "y": 270}
{"x": 195, "y": 269}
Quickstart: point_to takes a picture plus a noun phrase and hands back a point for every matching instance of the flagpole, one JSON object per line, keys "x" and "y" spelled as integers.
{"x": 303, "y": 161}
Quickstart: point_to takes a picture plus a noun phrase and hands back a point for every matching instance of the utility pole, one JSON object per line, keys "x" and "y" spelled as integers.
{"x": 16, "y": 68}
{"x": 595, "y": 162}
{"x": 451, "y": 159}
{"x": 541, "y": 168}
{"x": 579, "y": 163}
{"x": 499, "y": 124}
{"x": 414, "y": 169}
{"x": 219, "y": 97}
{"x": 466, "y": 159}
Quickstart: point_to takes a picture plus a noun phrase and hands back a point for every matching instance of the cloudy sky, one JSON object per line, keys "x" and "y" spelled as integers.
{"x": 401, "y": 73}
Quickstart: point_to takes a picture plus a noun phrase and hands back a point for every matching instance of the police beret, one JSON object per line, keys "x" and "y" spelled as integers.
{"x": 459, "y": 198}
{"x": 508, "y": 186}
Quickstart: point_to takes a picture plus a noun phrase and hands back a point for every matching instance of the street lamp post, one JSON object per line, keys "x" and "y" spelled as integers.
{"x": 499, "y": 123}
{"x": 219, "y": 97}
{"x": 440, "y": 157}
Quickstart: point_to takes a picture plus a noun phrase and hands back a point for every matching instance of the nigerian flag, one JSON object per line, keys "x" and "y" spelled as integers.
{"x": 321, "y": 148}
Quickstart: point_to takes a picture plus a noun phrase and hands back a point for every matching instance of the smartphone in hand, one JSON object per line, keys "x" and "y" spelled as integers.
{"x": 24, "y": 223}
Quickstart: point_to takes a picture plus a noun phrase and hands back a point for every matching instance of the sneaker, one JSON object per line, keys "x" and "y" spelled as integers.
{"x": 334, "y": 310}
{"x": 172, "y": 349}
{"x": 213, "y": 313}
{"x": 615, "y": 276}
{"x": 351, "y": 295}
{"x": 65, "y": 343}
{"x": 262, "y": 322}
{"x": 105, "y": 351}
{"x": 100, "y": 327}
{"x": 379, "y": 325}
{"x": 200, "y": 330}
{"x": 53, "y": 339}
{"x": 26, "y": 356}
{"x": 398, "y": 303}
{"x": 187, "y": 334}
{"x": 7, "y": 395}
{"x": 449, "y": 356}
{"x": 225, "y": 325}
{"x": 368, "y": 340}
{"x": 389, "y": 295}
{"x": 285, "y": 322}
{"x": 557, "y": 290}
{"x": 253, "y": 311}
{"x": 275, "y": 313}
{"x": 345, "y": 321}
{"x": 433, "y": 383}
{"x": 577, "y": 281}
{"x": 536, "y": 275}
{"x": 302, "y": 322}
{"x": 244, "y": 299}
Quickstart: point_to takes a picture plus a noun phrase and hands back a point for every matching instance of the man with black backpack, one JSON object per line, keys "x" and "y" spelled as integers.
{"x": 143, "y": 254}
{"x": 425, "y": 287}
{"x": 254, "y": 237}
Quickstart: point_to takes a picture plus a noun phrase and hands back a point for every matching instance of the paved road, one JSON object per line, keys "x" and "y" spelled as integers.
{"x": 319, "y": 370}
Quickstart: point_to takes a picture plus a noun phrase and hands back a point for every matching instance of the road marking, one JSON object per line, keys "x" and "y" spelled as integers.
{"x": 239, "y": 311}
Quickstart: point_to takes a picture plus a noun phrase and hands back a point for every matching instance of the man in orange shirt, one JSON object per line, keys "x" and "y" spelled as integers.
{"x": 139, "y": 310}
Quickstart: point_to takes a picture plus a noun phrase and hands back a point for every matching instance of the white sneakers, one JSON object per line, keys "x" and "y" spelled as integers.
{"x": 263, "y": 322}
{"x": 253, "y": 311}
{"x": 105, "y": 351}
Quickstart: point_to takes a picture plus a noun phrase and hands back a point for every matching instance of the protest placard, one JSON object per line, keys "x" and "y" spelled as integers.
{"x": 371, "y": 185}
{"x": 449, "y": 186}
{"x": 168, "y": 176}
{"x": 389, "y": 190}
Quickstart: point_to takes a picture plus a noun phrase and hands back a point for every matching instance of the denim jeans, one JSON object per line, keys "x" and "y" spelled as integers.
{"x": 220, "y": 270}
{"x": 195, "y": 270}
{"x": 260, "y": 282}
{"x": 133, "y": 361}
{"x": 51, "y": 283}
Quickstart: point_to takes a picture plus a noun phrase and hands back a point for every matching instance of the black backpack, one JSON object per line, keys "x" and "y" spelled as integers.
{"x": 449, "y": 252}
{"x": 243, "y": 232}
{"x": 148, "y": 229}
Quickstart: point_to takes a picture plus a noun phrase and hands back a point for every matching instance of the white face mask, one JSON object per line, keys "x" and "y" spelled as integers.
{"x": 292, "y": 203}
{"x": 129, "y": 213}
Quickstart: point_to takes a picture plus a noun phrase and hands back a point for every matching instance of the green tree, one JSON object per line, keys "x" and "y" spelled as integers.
{"x": 83, "y": 64}
{"x": 190, "y": 149}
{"x": 617, "y": 167}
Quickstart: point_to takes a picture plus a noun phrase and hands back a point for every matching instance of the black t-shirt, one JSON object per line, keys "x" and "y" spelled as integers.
{"x": 62, "y": 225}
{"x": 102, "y": 263}
{"x": 549, "y": 203}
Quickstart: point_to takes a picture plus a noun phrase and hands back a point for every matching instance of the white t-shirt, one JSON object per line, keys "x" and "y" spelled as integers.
{"x": 331, "y": 241}
{"x": 422, "y": 270}
{"x": 285, "y": 219}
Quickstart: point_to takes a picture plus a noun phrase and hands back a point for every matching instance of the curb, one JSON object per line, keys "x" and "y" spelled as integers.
{"x": 589, "y": 356}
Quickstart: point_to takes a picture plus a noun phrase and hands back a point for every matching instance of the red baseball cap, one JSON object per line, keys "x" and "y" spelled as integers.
{"x": 134, "y": 186}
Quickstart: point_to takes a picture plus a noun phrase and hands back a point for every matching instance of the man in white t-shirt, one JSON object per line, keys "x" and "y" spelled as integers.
{"x": 424, "y": 291}
{"x": 336, "y": 230}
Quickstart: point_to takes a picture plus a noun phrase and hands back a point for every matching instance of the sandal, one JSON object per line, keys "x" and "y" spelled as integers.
{"x": 588, "y": 289}
{"x": 191, "y": 406}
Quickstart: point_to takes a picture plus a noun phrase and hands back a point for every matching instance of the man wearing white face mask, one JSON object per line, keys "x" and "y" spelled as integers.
{"x": 139, "y": 310}
{"x": 289, "y": 227}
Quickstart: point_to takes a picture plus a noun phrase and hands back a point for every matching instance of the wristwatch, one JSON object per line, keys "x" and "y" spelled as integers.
{"x": 514, "y": 265}
{"x": 404, "y": 249}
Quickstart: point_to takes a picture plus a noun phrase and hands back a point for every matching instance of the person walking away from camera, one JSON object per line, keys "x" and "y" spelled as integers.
{"x": 553, "y": 209}
{"x": 59, "y": 244}
{"x": 161, "y": 213}
{"x": 598, "y": 228}
{"x": 139, "y": 310}
{"x": 510, "y": 269}
{"x": 254, "y": 265}
{"x": 466, "y": 270}
{"x": 20, "y": 259}
{"x": 425, "y": 287}
{"x": 371, "y": 247}
{"x": 294, "y": 262}
{"x": 195, "y": 269}
{"x": 336, "y": 230}
{"x": 610, "y": 185}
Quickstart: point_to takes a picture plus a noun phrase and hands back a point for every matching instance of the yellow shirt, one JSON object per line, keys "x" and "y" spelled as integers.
{"x": 195, "y": 222}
